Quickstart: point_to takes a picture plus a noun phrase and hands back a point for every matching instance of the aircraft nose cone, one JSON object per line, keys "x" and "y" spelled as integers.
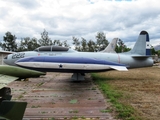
{"x": 6, "y": 60}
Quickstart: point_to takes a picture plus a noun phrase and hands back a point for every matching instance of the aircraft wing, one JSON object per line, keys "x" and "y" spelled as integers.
{"x": 119, "y": 68}
{"x": 11, "y": 73}
{"x": 5, "y": 79}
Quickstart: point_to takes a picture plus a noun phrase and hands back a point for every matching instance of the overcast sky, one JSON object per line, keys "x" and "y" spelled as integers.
{"x": 63, "y": 19}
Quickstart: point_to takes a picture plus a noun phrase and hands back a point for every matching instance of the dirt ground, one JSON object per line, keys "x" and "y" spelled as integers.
{"x": 56, "y": 95}
{"x": 142, "y": 87}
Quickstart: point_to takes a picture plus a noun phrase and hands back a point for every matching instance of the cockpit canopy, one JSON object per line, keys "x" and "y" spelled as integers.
{"x": 51, "y": 48}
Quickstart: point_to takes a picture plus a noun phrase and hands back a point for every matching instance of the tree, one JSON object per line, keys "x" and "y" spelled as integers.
{"x": 76, "y": 43}
{"x": 57, "y": 43}
{"x": 121, "y": 47}
{"x": 28, "y": 44}
{"x": 45, "y": 40}
{"x": 65, "y": 43}
{"x": 9, "y": 42}
{"x": 101, "y": 42}
{"x": 84, "y": 46}
{"x": 91, "y": 46}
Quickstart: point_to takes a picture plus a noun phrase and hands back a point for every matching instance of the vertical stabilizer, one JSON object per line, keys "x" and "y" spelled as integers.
{"x": 111, "y": 47}
{"x": 142, "y": 45}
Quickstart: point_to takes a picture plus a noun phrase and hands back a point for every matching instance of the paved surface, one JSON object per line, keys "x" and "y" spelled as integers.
{"x": 55, "y": 96}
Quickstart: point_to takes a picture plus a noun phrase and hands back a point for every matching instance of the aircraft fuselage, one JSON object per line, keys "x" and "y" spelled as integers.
{"x": 128, "y": 60}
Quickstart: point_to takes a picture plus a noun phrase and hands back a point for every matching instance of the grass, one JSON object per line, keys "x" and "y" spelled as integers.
{"x": 106, "y": 111}
{"x": 33, "y": 106}
{"x": 21, "y": 96}
{"x": 40, "y": 84}
{"x": 73, "y": 111}
{"x": 125, "y": 112}
{"x": 73, "y": 101}
{"x": 133, "y": 94}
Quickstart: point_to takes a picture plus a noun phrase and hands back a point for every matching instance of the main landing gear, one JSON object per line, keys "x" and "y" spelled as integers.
{"x": 78, "y": 77}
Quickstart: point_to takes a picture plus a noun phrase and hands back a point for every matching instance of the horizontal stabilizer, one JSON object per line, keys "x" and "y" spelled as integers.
{"x": 119, "y": 68}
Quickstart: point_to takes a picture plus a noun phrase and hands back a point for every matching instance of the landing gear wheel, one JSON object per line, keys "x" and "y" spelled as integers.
{"x": 5, "y": 91}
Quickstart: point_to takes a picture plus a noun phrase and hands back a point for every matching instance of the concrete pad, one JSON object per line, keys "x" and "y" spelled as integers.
{"x": 55, "y": 96}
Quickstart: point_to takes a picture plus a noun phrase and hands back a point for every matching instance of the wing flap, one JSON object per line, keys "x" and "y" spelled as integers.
{"x": 119, "y": 68}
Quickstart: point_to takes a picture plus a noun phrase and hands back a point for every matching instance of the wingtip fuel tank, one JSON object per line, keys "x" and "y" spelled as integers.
{"x": 19, "y": 72}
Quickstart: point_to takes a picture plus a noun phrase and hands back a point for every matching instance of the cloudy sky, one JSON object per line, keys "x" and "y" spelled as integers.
{"x": 63, "y": 19}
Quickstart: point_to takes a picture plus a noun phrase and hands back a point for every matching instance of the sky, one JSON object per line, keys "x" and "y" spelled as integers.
{"x": 63, "y": 19}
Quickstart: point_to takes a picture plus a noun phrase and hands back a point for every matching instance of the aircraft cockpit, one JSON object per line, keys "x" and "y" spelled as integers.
{"x": 51, "y": 49}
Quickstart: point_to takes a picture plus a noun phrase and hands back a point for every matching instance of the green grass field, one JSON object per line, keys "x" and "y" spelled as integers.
{"x": 135, "y": 95}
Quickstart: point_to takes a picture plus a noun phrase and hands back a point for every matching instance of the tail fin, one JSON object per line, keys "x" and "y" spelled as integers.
{"x": 142, "y": 45}
{"x": 12, "y": 110}
{"x": 111, "y": 47}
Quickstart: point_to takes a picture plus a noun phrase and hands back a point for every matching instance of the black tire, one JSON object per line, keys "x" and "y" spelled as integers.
{"x": 5, "y": 91}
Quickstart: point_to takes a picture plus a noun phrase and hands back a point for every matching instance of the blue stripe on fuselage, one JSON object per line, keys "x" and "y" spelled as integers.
{"x": 148, "y": 52}
{"x": 74, "y": 60}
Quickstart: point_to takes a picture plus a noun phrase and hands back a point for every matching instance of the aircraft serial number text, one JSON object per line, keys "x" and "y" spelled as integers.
{"x": 18, "y": 55}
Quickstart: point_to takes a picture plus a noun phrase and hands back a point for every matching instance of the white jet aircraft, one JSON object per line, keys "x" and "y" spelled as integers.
{"x": 61, "y": 59}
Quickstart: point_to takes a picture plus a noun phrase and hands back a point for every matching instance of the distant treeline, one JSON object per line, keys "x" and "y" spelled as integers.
{"x": 10, "y": 43}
